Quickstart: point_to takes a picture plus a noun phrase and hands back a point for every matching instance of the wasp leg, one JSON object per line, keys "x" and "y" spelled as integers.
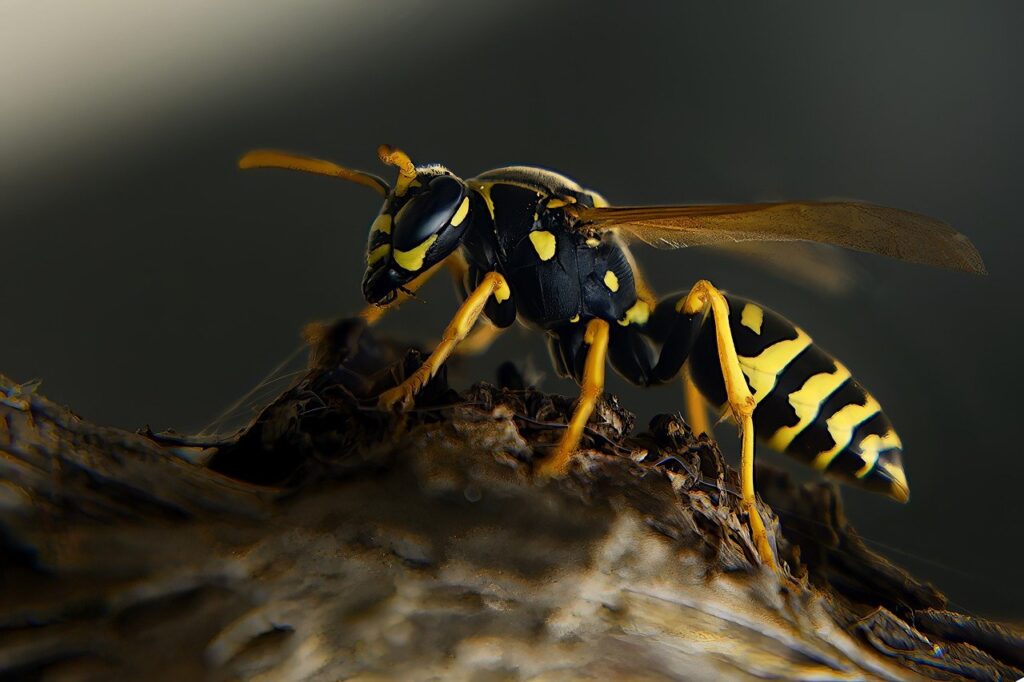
{"x": 479, "y": 340}
{"x": 596, "y": 337}
{"x": 373, "y": 313}
{"x": 401, "y": 396}
{"x": 741, "y": 403}
{"x": 455, "y": 264}
{"x": 484, "y": 334}
{"x": 696, "y": 410}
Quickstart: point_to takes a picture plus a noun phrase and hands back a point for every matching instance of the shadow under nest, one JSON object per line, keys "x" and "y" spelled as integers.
{"x": 329, "y": 540}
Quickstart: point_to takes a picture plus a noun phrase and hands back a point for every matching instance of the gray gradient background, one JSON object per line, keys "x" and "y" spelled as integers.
{"x": 145, "y": 280}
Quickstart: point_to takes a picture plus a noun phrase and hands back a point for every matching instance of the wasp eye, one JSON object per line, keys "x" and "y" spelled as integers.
{"x": 428, "y": 212}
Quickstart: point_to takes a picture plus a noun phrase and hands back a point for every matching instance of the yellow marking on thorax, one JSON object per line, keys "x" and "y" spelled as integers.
{"x": 484, "y": 188}
{"x": 544, "y": 244}
{"x": 412, "y": 260}
{"x": 461, "y": 212}
{"x": 592, "y": 242}
{"x": 752, "y": 317}
{"x": 763, "y": 370}
{"x": 599, "y": 201}
{"x": 575, "y": 318}
{"x": 841, "y": 426}
{"x": 611, "y": 280}
{"x": 637, "y": 314}
{"x": 643, "y": 291}
{"x": 559, "y": 202}
{"x": 382, "y": 224}
{"x": 806, "y": 402}
{"x": 378, "y": 253}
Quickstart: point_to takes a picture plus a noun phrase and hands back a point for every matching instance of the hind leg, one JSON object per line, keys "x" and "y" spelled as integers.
{"x": 676, "y": 329}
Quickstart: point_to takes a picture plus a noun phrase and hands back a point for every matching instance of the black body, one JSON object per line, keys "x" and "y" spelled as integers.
{"x": 517, "y": 221}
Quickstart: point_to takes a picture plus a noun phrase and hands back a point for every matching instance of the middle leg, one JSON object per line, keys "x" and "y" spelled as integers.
{"x": 596, "y": 337}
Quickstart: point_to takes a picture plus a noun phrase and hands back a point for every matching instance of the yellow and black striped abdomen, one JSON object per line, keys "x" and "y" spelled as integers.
{"x": 808, "y": 404}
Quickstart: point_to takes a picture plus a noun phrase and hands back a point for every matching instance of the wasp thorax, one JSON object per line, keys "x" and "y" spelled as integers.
{"x": 420, "y": 224}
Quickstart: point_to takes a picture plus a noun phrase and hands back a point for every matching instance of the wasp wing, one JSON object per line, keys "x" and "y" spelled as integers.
{"x": 862, "y": 227}
{"x": 826, "y": 269}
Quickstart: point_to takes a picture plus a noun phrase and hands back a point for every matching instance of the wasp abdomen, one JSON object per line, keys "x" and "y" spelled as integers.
{"x": 808, "y": 404}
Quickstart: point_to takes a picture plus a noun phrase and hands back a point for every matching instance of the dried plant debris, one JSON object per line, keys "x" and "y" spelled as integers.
{"x": 328, "y": 540}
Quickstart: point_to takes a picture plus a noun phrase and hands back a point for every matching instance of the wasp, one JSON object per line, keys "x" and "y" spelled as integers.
{"x": 531, "y": 244}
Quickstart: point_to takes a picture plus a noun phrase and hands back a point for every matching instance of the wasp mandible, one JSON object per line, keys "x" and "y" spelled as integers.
{"x": 530, "y": 243}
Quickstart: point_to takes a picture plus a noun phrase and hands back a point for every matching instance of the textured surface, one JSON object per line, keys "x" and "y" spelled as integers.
{"x": 420, "y": 547}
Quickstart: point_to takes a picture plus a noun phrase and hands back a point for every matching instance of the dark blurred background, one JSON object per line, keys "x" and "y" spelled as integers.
{"x": 145, "y": 280}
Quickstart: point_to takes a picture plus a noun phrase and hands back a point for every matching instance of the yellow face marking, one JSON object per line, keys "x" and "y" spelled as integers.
{"x": 752, "y": 317}
{"x": 841, "y": 426}
{"x": 870, "y": 446}
{"x": 382, "y": 224}
{"x": 501, "y": 291}
{"x": 637, "y": 314}
{"x": 544, "y": 244}
{"x": 763, "y": 371}
{"x": 806, "y": 402}
{"x": 461, "y": 213}
{"x": 575, "y": 318}
{"x": 611, "y": 280}
{"x": 412, "y": 260}
{"x": 378, "y": 253}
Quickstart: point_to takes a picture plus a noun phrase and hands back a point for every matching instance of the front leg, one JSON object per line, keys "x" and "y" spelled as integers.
{"x": 401, "y": 397}
{"x": 456, "y": 266}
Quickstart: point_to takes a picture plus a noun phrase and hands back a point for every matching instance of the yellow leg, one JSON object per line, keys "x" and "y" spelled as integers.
{"x": 479, "y": 340}
{"x": 741, "y": 403}
{"x": 373, "y": 313}
{"x": 696, "y": 411}
{"x": 596, "y": 337}
{"x": 456, "y": 265}
{"x": 400, "y": 397}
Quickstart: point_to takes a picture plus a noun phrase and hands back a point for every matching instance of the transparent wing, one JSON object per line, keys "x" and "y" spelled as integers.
{"x": 862, "y": 227}
{"x": 826, "y": 269}
{"x": 248, "y": 406}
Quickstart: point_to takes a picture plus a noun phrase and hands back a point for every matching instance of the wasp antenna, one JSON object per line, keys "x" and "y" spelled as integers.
{"x": 406, "y": 169}
{"x": 396, "y": 157}
{"x": 271, "y": 158}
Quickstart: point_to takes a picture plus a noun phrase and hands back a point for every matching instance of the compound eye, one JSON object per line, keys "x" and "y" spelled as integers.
{"x": 428, "y": 212}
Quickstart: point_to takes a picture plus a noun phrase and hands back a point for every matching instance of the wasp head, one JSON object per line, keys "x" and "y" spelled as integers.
{"x": 422, "y": 221}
